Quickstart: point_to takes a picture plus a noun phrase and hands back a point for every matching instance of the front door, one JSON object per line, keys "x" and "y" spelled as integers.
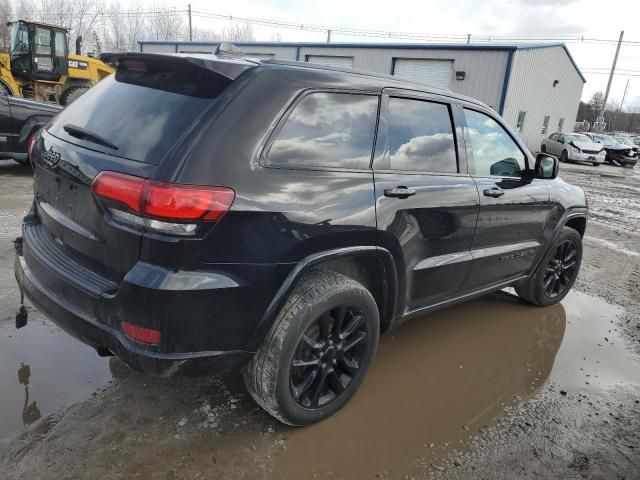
{"x": 513, "y": 210}
{"x": 426, "y": 203}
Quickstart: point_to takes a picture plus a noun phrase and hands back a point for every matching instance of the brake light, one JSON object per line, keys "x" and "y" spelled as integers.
{"x": 30, "y": 143}
{"x": 162, "y": 200}
{"x": 141, "y": 334}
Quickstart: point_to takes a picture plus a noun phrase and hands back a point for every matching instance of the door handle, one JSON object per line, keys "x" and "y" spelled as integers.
{"x": 399, "y": 192}
{"x": 494, "y": 192}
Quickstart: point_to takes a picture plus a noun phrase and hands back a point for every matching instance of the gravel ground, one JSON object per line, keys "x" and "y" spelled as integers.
{"x": 489, "y": 389}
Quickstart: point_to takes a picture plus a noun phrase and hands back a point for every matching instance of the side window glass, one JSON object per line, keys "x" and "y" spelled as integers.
{"x": 420, "y": 137}
{"x": 494, "y": 151}
{"x": 561, "y": 138}
{"x": 327, "y": 130}
{"x": 60, "y": 45}
{"x": 43, "y": 41}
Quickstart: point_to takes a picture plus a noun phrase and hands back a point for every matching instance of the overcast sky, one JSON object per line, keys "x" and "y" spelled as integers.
{"x": 589, "y": 18}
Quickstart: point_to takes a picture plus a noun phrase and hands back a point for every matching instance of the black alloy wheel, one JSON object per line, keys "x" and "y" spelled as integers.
{"x": 561, "y": 269}
{"x": 328, "y": 356}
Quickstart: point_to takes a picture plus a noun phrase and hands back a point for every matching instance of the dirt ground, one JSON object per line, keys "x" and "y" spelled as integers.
{"x": 489, "y": 389}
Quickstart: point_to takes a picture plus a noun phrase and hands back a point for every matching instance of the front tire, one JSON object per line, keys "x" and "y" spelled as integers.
{"x": 596, "y": 164}
{"x": 557, "y": 273}
{"x": 564, "y": 157}
{"x": 543, "y": 149}
{"x": 318, "y": 350}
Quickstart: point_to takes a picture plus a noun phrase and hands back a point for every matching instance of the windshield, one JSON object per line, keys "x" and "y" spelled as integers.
{"x": 19, "y": 39}
{"x": 578, "y": 138}
{"x": 625, "y": 140}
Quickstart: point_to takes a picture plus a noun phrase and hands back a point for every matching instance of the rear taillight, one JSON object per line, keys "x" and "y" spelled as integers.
{"x": 159, "y": 205}
{"x": 31, "y": 142}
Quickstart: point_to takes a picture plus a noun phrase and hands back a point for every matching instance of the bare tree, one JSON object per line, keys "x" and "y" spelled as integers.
{"x": 238, "y": 32}
{"x": 122, "y": 28}
{"x": 165, "y": 23}
{"x": 5, "y": 15}
{"x": 595, "y": 104}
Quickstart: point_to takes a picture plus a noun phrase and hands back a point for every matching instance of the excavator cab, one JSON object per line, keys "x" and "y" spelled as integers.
{"x": 38, "y": 51}
{"x": 39, "y": 65}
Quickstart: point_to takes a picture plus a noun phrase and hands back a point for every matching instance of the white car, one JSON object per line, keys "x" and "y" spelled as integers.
{"x": 574, "y": 147}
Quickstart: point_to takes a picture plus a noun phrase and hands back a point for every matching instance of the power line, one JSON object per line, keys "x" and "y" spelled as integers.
{"x": 348, "y": 31}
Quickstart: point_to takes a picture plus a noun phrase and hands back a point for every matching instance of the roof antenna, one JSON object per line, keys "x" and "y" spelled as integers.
{"x": 229, "y": 49}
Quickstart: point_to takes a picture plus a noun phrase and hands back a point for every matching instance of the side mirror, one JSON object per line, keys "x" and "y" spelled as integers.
{"x": 546, "y": 166}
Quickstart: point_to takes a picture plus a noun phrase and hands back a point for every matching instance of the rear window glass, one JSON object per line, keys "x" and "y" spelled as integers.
{"x": 144, "y": 110}
{"x": 327, "y": 130}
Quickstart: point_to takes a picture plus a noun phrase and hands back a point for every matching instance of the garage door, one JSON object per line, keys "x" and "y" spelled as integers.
{"x": 436, "y": 73}
{"x": 345, "y": 62}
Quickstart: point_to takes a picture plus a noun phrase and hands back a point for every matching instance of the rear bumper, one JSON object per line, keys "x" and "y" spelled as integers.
{"x": 98, "y": 335}
{"x": 206, "y": 318}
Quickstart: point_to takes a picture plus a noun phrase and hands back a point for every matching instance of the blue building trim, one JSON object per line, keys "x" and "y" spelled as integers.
{"x": 505, "y": 83}
{"x": 403, "y": 46}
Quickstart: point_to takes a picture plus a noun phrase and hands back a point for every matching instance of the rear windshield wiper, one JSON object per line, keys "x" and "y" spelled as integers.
{"x": 83, "y": 134}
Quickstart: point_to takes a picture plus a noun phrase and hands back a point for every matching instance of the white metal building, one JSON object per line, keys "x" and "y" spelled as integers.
{"x": 536, "y": 88}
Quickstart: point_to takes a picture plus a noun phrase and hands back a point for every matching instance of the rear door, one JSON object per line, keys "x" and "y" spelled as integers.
{"x": 552, "y": 144}
{"x": 513, "y": 210}
{"x": 426, "y": 203}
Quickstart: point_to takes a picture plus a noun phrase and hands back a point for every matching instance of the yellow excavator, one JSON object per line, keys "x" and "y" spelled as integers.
{"x": 39, "y": 66}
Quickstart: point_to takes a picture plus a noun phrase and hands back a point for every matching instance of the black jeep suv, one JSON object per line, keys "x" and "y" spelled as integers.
{"x": 216, "y": 212}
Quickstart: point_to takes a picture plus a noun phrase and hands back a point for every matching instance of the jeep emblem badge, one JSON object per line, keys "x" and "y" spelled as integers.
{"x": 51, "y": 157}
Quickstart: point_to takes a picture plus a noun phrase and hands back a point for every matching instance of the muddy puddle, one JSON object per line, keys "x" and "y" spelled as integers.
{"x": 436, "y": 382}
{"x": 42, "y": 369}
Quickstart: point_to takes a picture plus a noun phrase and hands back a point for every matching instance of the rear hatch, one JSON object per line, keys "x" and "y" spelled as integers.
{"x": 136, "y": 122}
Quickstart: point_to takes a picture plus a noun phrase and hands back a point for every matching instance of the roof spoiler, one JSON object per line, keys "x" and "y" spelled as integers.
{"x": 228, "y": 49}
{"x": 230, "y": 68}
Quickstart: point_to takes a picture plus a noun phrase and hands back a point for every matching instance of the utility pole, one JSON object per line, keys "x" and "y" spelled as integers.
{"x": 190, "y": 31}
{"x": 624, "y": 95}
{"x": 329, "y": 36}
{"x": 613, "y": 70}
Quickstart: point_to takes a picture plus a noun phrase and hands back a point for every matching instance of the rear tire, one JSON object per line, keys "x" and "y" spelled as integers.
{"x": 310, "y": 363}
{"x": 559, "y": 268}
{"x": 596, "y": 164}
{"x": 543, "y": 149}
{"x": 72, "y": 94}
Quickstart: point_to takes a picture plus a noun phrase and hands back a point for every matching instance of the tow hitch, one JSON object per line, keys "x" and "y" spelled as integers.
{"x": 22, "y": 315}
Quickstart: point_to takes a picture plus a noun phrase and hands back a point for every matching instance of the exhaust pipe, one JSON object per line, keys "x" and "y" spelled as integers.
{"x": 79, "y": 45}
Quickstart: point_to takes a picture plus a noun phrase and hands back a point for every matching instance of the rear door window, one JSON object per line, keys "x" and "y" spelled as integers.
{"x": 144, "y": 109}
{"x": 495, "y": 153}
{"x": 420, "y": 137}
{"x": 332, "y": 130}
